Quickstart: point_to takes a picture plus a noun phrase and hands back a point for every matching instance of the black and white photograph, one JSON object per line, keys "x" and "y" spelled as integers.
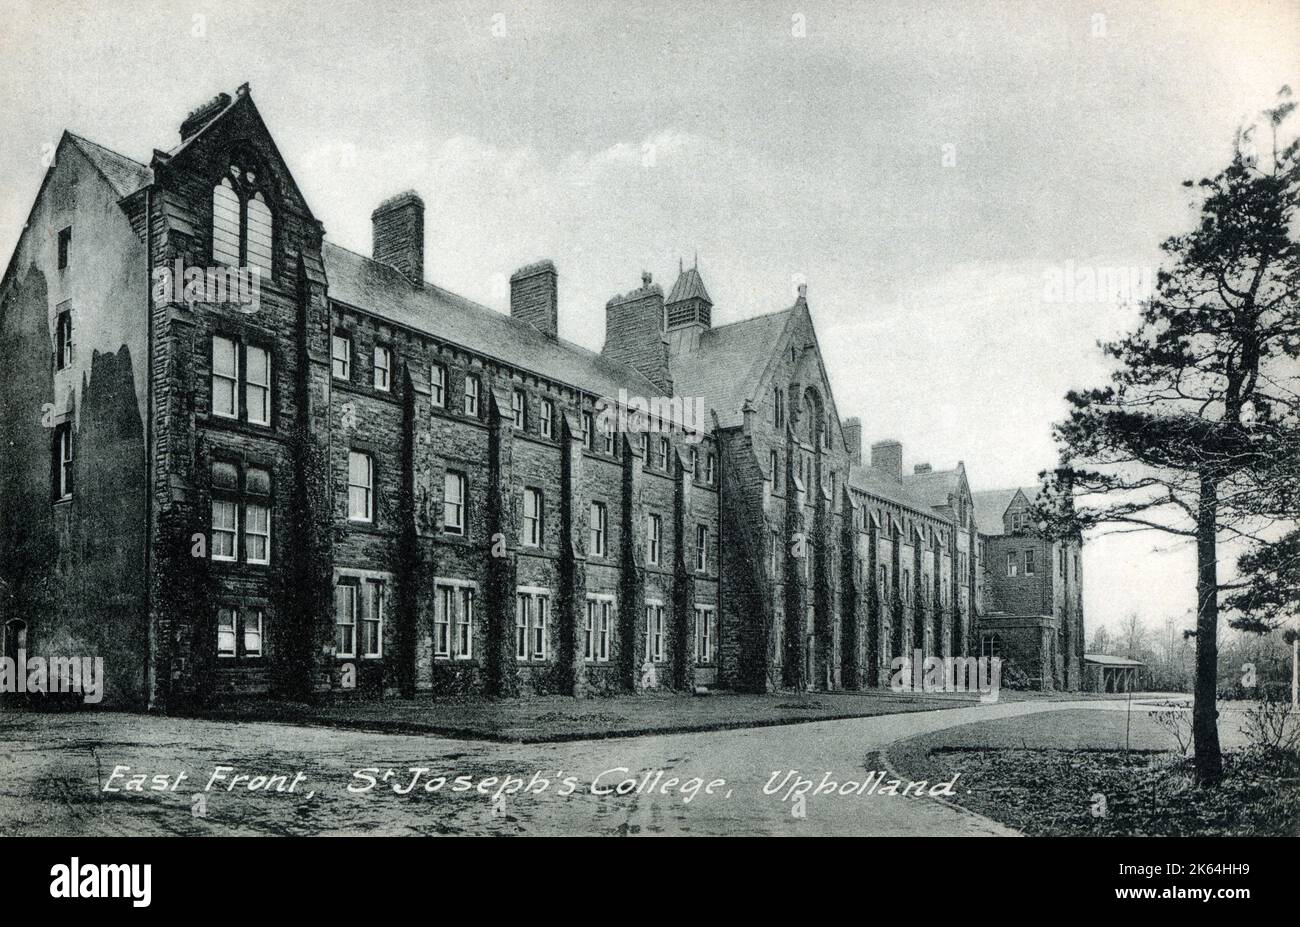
{"x": 576, "y": 418}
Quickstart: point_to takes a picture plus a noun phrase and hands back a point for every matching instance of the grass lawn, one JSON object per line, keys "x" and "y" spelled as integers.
{"x": 1077, "y": 773}
{"x": 546, "y": 719}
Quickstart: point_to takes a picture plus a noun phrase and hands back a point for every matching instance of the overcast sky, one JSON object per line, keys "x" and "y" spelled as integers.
{"x": 926, "y": 167}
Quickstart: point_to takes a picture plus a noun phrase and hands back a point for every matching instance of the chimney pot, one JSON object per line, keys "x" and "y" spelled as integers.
{"x": 922, "y": 468}
{"x": 887, "y": 457}
{"x": 852, "y": 428}
{"x": 200, "y": 117}
{"x": 634, "y": 332}
{"x": 398, "y": 224}
{"x": 533, "y": 297}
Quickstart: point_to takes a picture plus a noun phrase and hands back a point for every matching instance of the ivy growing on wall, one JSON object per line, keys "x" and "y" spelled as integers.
{"x": 409, "y": 568}
{"x": 183, "y": 601}
{"x": 305, "y": 593}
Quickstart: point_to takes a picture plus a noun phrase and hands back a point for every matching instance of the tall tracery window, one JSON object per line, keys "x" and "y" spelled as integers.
{"x": 812, "y": 419}
{"x": 242, "y": 225}
{"x": 226, "y": 223}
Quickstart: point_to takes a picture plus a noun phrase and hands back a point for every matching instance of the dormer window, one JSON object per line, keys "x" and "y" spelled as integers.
{"x": 243, "y": 229}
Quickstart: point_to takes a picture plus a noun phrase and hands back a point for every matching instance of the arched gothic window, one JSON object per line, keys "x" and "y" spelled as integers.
{"x": 812, "y": 418}
{"x": 243, "y": 228}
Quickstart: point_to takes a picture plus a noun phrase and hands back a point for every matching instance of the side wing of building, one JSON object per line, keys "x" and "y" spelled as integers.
{"x": 72, "y": 421}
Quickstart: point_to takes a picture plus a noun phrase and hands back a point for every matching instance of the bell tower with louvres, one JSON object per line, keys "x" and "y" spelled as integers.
{"x": 688, "y": 310}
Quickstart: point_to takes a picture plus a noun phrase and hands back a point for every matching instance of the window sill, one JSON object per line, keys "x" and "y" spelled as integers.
{"x": 241, "y": 426}
{"x": 365, "y": 389}
{"x": 242, "y": 566}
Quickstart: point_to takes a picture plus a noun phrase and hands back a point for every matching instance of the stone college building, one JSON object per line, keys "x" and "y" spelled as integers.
{"x": 321, "y": 472}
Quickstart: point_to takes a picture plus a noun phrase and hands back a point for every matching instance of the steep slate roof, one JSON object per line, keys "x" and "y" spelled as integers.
{"x": 123, "y": 174}
{"x": 882, "y": 486}
{"x": 727, "y": 365}
{"x": 689, "y": 284}
{"x": 375, "y": 287}
{"x": 934, "y": 487}
{"x": 992, "y": 504}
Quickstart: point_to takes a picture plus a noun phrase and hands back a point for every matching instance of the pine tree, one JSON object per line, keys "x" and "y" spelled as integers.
{"x": 1198, "y": 433}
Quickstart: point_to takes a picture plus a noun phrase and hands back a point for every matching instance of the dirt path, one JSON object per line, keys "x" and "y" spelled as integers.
{"x": 55, "y": 768}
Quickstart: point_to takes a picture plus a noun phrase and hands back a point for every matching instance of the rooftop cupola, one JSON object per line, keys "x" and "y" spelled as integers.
{"x": 689, "y": 302}
{"x": 688, "y": 310}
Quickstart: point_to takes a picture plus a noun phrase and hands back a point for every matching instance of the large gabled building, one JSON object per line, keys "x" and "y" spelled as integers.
{"x": 359, "y": 481}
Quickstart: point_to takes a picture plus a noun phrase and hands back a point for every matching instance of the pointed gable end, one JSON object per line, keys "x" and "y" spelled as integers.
{"x": 220, "y": 129}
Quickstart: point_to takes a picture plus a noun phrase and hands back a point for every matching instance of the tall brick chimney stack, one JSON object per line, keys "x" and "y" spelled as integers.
{"x": 399, "y": 234}
{"x": 533, "y": 299}
{"x": 852, "y": 428}
{"x": 887, "y": 457}
{"x": 634, "y": 332}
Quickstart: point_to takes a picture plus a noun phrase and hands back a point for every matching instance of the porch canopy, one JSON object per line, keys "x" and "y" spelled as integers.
{"x": 1113, "y": 674}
